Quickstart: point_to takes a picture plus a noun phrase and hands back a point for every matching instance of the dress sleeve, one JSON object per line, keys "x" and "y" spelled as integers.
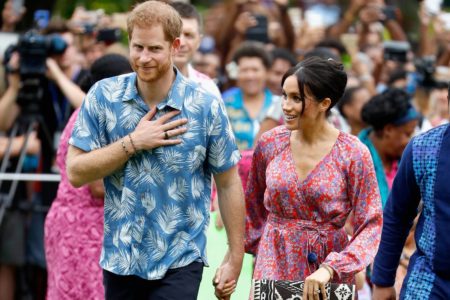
{"x": 256, "y": 213}
{"x": 399, "y": 214}
{"x": 363, "y": 192}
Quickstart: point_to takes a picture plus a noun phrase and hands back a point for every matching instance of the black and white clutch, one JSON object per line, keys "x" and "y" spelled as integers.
{"x": 293, "y": 290}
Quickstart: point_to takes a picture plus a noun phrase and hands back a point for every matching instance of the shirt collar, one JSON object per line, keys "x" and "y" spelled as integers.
{"x": 131, "y": 91}
{"x": 177, "y": 91}
{"x": 174, "y": 99}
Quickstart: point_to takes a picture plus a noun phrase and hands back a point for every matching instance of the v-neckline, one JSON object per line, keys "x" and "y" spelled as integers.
{"x": 307, "y": 178}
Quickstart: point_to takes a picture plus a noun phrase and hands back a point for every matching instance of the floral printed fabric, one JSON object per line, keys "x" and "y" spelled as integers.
{"x": 157, "y": 205}
{"x": 290, "y": 220}
{"x": 73, "y": 236}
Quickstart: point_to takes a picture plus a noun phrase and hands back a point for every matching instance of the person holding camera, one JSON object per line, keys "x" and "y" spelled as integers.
{"x": 369, "y": 13}
{"x": 12, "y": 222}
{"x": 251, "y": 20}
{"x": 46, "y": 96}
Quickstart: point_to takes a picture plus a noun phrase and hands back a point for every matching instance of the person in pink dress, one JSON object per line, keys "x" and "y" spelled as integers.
{"x": 305, "y": 179}
{"x": 74, "y": 223}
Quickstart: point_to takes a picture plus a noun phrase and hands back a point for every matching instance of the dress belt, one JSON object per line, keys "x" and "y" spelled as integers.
{"x": 316, "y": 236}
{"x": 306, "y": 225}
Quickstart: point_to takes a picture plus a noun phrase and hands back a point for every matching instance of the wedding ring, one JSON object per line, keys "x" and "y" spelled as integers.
{"x": 166, "y": 136}
{"x": 317, "y": 291}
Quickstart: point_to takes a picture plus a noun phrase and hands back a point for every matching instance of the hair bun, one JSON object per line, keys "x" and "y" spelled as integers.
{"x": 335, "y": 63}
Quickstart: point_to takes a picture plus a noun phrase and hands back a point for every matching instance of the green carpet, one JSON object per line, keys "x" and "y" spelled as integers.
{"x": 216, "y": 248}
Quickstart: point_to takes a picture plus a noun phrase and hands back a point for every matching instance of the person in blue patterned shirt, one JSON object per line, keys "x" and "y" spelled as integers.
{"x": 156, "y": 137}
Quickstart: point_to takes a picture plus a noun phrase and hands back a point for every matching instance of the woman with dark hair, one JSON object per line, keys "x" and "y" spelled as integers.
{"x": 350, "y": 107}
{"x": 74, "y": 223}
{"x": 392, "y": 121}
{"x": 305, "y": 179}
{"x": 422, "y": 178}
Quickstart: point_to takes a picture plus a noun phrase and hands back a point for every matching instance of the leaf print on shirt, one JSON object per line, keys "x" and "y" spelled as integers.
{"x": 156, "y": 244}
{"x": 168, "y": 218}
{"x": 121, "y": 260}
{"x": 194, "y": 217}
{"x": 121, "y": 207}
{"x": 122, "y": 235}
{"x": 179, "y": 243}
{"x": 148, "y": 172}
{"x": 235, "y": 157}
{"x": 229, "y": 134}
{"x": 138, "y": 229}
{"x": 148, "y": 202}
{"x": 157, "y": 272}
{"x": 81, "y": 129}
{"x": 214, "y": 126}
{"x": 215, "y": 105}
{"x": 130, "y": 115}
{"x": 196, "y": 158}
{"x": 116, "y": 180}
{"x": 106, "y": 227}
{"x": 173, "y": 160}
{"x": 193, "y": 129}
{"x": 141, "y": 260}
{"x": 198, "y": 187}
{"x": 183, "y": 261}
{"x": 112, "y": 91}
{"x": 90, "y": 102}
{"x": 218, "y": 150}
{"x": 189, "y": 104}
{"x": 117, "y": 259}
{"x": 111, "y": 120}
{"x": 178, "y": 189}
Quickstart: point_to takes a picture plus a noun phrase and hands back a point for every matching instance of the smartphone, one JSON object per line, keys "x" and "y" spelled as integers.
{"x": 259, "y": 32}
{"x": 17, "y": 6}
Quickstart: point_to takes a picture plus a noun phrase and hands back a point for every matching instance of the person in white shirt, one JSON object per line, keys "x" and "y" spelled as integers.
{"x": 190, "y": 42}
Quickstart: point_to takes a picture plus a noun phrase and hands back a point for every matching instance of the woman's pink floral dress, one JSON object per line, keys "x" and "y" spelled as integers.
{"x": 293, "y": 226}
{"x": 73, "y": 237}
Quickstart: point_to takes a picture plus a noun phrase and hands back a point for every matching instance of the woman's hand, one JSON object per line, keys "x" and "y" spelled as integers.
{"x": 315, "y": 284}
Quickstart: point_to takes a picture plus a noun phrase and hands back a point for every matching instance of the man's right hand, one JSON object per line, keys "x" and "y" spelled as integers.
{"x": 383, "y": 293}
{"x": 152, "y": 134}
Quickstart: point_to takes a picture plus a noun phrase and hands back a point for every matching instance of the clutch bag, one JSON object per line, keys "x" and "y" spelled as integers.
{"x": 264, "y": 289}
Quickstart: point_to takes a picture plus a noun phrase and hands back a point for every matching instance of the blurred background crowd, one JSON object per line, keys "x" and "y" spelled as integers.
{"x": 396, "y": 54}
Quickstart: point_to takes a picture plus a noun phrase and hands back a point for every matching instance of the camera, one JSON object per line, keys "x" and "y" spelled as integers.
{"x": 109, "y": 35}
{"x": 396, "y": 51}
{"x": 34, "y": 49}
{"x": 425, "y": 67}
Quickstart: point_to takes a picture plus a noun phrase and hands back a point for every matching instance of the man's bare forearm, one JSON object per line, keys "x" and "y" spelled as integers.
{"x": 84, "y": 167}
{"x": 231, "y": 203}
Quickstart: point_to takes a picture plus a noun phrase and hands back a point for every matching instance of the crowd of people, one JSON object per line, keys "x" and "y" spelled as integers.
{"x": 315, "y": 133}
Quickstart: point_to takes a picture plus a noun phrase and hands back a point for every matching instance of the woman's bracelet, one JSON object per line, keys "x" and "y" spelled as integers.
{"x": 329, "y": 269}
